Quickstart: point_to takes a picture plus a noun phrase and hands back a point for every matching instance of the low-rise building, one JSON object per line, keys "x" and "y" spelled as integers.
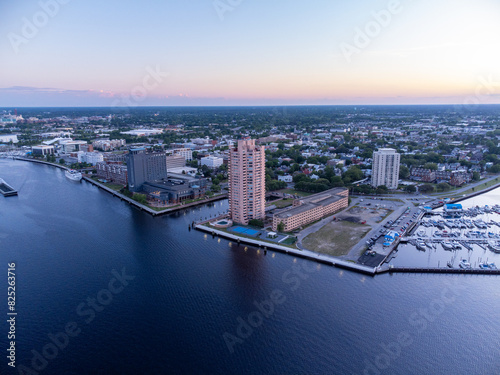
{"x": 286, "y": 178}
{"x": 116, "y": 173}
{"x": 42, "y": 150}
{"x": 212, "y": 161}
{"x": 108, "y": 145}
{"x": 176, "y": 188}
{"x": 423, "y": 174}
{"x": 90, "y": 157}
{"x": 187, "y": 153}
{"x": 312, "y": 208}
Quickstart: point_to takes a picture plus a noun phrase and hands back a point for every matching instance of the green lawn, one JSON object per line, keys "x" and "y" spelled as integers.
{"x": 294, "y": 192}
{"x": 483, "y": 186}
{"x": 112, "y": 186}
{"x": 336, "y": 238}
{"x": 280, "y": 203}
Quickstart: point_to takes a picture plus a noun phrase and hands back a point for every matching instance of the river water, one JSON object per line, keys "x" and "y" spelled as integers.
{"x": 144, "y": 295}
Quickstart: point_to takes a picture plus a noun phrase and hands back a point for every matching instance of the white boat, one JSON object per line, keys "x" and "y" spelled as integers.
{"x": 447, "y": 245}
{"x": 494, "y": 246}
{"x": 464, "y": 264}
{"x": 73, "y": 175}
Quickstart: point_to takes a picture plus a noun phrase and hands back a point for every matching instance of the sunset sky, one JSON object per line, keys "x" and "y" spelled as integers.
{"x": 257, "y": 52}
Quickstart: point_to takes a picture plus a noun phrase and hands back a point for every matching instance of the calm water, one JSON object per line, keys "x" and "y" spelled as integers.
{"x": 189, "y": 289}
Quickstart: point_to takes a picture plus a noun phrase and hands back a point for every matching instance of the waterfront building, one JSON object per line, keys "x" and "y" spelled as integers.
{"x": 309, "y": 209}
{"x": 116, "y": 173}
{"x": 247, "y": 186}
{"x": 212, "y": 161}
{"x": 42, "y": 150}
{"x": 144, "y": 166}
{"x": 385, "y": 169}
{"x": 176, "y": 188}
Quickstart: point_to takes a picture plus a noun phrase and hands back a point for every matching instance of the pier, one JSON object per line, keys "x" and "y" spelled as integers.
{"x": 6, "y": 189}
{"x": 305, "y": 254}
{"x": 464, "y": 271}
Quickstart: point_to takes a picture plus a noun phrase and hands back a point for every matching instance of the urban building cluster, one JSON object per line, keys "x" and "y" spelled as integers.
{"x": 311, "y": 150}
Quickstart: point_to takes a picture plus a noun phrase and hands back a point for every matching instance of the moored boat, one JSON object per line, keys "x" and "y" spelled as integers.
{"x": 73, "y": 175}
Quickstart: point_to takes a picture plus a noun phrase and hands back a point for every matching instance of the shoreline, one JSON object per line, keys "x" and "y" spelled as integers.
{"x": 305, "y": 254}
{"x": 122, "y": 197}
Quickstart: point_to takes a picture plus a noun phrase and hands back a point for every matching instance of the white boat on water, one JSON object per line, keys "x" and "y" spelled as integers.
{"x": 494, "y": 246}
{"x": 73, "y": 175}
{"x": 447, "y": 245}
{"x": 464, "y": 264}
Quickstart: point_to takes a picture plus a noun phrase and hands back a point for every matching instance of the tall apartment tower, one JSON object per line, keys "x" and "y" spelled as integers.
{"x": 247, "y": 182}
{"x": 385, "y": 170}
{"x": 143, "y": 166}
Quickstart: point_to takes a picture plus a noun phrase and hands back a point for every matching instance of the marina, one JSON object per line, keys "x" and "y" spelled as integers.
{"x": 455, "y": 238}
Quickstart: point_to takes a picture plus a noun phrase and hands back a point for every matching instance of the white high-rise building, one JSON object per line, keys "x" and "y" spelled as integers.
{"x": 385, "y": 170}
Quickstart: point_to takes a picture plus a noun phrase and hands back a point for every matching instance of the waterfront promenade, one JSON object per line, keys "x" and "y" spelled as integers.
{"x": 131, "y": 201}
{"x": 306, "y": 254}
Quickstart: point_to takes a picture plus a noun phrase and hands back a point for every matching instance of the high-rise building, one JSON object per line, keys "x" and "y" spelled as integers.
{"x": 247, "y": 186}
{"x": 385, "y": 169}
{"x": 143, "y": 166}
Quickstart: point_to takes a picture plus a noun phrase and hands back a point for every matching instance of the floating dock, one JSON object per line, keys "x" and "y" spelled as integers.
{"x": 6, "y": 189}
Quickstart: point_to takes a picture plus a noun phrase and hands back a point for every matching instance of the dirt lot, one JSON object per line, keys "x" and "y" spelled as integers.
{"x": 371, "y": 215}
{"x": 336, "y": 238}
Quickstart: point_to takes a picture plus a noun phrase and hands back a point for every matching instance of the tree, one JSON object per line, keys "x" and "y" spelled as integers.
{"x": 495, "y": 169}
{"x": 300, "y": 178}
{"x": 404, "y": 172}
{"x": 256, "y": 223}
{"x": 281, "y": 226}
{"x": 443, "y": 186}
{"x": 215, "y": 188}
{"x": 141, "y": 198}
{"x": 431, "y": 166}
{"x": 476, "y": 176}
{"x": 410, "y": 188}
{"x": 61, "y": 161}
{"x": 427, "y": 188}
{"x": 382, "y": 189}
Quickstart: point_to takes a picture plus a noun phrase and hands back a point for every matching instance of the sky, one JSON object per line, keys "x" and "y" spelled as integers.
{"x": 248, "y": 52}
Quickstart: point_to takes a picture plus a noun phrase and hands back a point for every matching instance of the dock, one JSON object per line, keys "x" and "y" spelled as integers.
{"x": 6, "y": 189}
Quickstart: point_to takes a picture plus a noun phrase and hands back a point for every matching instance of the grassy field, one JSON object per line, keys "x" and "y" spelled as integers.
{"x": 115, "y": 187}
{"x": 281, "y": 203}
{"x": 483, "y": 186}
{"x": 336, "y": 238}
{"x": 294, "y": 192}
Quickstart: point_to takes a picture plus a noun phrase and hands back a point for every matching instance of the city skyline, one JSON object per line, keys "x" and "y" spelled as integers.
{"x": 66, "y": 53}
